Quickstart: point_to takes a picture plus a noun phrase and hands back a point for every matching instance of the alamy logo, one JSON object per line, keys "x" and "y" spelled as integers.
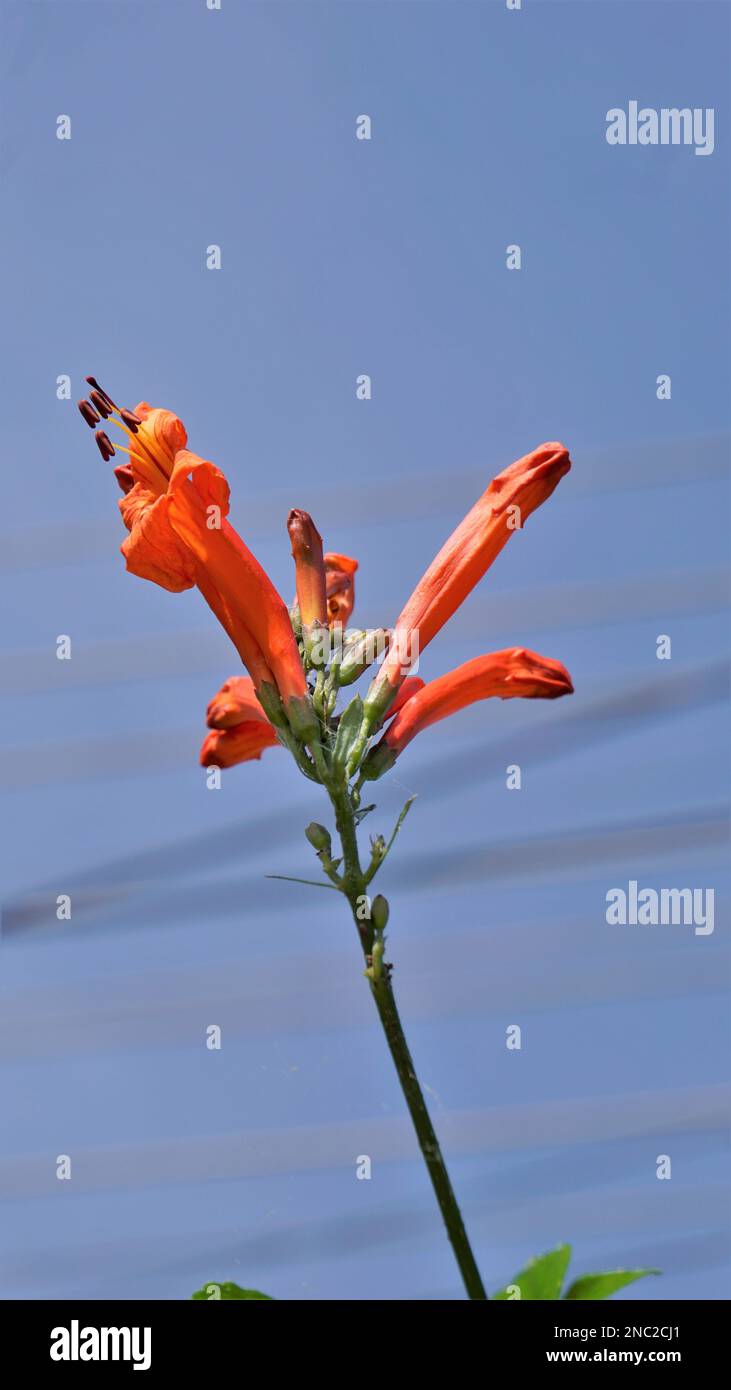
{"x": 77, "y": 1343}
{"x": 668, "y": 126}
{"x": 668, "y": 907}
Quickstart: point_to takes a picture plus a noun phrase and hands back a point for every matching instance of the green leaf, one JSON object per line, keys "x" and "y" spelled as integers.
{"x": 364, "y": 811}
{"x": 604, "y": 1285}
{"x": 212, "y": 1293}
{"x": 542, "y": 1279}
{"x": 348, "y": 730}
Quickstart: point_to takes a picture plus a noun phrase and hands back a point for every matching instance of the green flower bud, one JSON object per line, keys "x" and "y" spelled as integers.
{"x": 379, "y": 912}
{"x": 318, "y": 837}
{"x": 360, "y": 653}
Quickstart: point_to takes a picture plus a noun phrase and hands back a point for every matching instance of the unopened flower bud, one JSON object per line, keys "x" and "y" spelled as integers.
{"x": 309, "y": 567}
{"x": 359, "y": 654}
{"x": 318, "y": 837}
{"x": 379, "y": 912}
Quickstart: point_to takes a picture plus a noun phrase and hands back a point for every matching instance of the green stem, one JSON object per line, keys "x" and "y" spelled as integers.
{"x": 354, "y": 888}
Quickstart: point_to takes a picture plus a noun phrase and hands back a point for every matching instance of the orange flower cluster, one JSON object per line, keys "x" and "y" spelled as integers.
{"x": 175, "y": 507}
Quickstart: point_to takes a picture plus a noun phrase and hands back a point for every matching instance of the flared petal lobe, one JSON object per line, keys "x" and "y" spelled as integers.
{"x": 153, "y": 448}
{"x": 153, "y": 550}
{"x": 235, "y": 703}
{"x": 242, "y": 743}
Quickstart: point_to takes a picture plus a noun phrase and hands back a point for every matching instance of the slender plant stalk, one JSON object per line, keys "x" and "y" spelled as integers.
{"x": 354, "y": 887}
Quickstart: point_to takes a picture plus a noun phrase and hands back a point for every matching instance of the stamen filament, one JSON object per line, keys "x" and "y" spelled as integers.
{"x": 141, "y": 445}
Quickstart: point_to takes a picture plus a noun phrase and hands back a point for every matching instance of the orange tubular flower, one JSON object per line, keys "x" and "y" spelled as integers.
{"x": 507, "y": 674}
{"x": 175, "y": 506}
{"x": 463, "y": 559}
{"x": 339, "y": 571}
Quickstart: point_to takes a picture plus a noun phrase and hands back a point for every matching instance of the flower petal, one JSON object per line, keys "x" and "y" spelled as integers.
{"x": 241, "y": 744}
{"x": 340, "y": 586}
{"x": 235, "y": 703}
{"x": 153, "y": 550}
{"x": 153, "y": 448}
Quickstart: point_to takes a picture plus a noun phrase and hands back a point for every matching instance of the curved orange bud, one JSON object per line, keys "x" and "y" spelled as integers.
{"x": 463, "y": 559}
{"x": 506, "y": 674}
{"x": 339, "y": 571}
{"x": 514, "y": 672}
{"x": 309, "y": 567}
{"x": 240, "y": 744}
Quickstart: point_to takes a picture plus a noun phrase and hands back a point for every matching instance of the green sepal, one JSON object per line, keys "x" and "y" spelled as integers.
{"x": 379, "y": 760}
{"x": 270, "y": 701}
{"x": 302, "y": 718}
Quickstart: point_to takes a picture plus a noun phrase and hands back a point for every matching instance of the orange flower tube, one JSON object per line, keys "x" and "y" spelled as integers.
{"x": 462, "y": 561}
{"x": 514, "y": 672}
{"x": 197, "y": 506}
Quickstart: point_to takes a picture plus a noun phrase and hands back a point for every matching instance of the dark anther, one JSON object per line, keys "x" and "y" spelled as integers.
{"x": 131, "y": 420}
{"x": 88, "y": 413}
{"x": 105, "y": 396}
{"x": 102, "y": 406}
{"x": 104, "y": 445}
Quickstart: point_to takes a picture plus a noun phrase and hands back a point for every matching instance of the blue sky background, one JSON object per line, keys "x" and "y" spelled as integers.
{"x": 192, "y": 127}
